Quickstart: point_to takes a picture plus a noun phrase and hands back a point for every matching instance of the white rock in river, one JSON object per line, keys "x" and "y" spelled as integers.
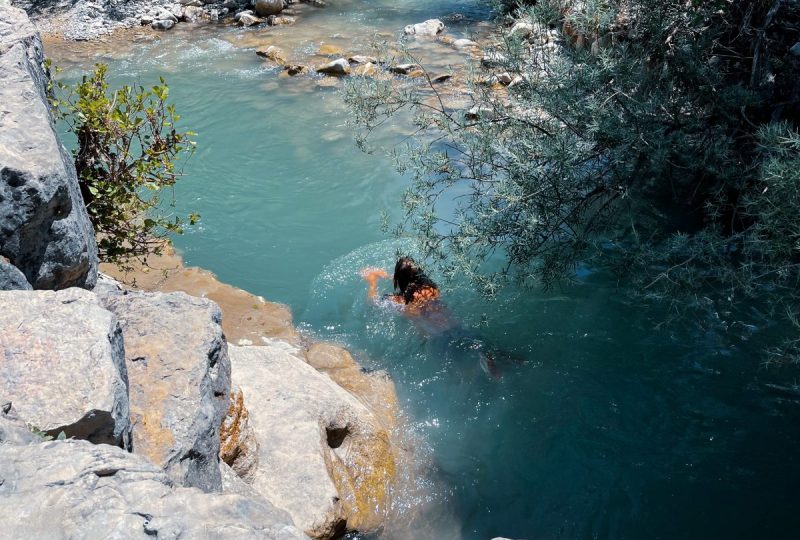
{"x": 431, "y": 27}
{"x": 340, "y": 66}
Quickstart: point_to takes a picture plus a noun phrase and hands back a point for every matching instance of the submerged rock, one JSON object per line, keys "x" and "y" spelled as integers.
{"x": 464, "y": 43}
{"x": 73, "y": 489}
{"x": 44, "y": 228}
{"x": 431, "y": 27}
{"x": 63, "y": 365}
{"x": 326, "y": 49}
{"x": 366, "y": 70}
{"x": 179, "y": 381}
{"x": 323, "y": 456}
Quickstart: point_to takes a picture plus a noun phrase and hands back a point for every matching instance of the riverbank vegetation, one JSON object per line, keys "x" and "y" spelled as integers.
{"x": 658, "y": 140}
{"x": 128, "y": 154}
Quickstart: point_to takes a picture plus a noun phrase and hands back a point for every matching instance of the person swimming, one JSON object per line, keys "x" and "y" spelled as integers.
{"x": 414, "y": 288}
{"x": 419, "y": 297}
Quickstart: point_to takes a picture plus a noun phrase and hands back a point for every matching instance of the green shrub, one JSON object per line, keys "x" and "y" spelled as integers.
{"x": 128, "y": 153}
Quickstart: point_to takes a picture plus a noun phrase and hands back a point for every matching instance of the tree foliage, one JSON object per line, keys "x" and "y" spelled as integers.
{"x": 128, "y": 153}
{"x": 658, "y": 139}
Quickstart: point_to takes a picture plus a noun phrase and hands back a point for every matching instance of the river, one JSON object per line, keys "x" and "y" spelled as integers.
{"x": 593, "y": 424}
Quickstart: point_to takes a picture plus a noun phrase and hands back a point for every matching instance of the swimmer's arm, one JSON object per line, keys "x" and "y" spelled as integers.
{"x": 371, "y": 276}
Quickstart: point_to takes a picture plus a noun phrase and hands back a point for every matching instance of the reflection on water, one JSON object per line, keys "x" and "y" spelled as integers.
{"x": 599, "y": 427}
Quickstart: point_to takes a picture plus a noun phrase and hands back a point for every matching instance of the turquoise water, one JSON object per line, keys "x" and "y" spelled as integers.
{"x": 594, "y": 425}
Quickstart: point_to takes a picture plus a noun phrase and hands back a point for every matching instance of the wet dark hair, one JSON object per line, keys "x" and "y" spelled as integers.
{"x": 409, "y": 278}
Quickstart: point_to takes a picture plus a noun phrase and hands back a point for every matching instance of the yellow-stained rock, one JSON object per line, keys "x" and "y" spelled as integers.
{"x": 238, "y": 444}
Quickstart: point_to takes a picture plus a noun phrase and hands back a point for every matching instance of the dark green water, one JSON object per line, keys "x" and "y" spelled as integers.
{"x": 599, "y": 427}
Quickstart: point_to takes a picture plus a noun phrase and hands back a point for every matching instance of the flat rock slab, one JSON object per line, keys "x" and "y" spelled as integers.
{"x": 44, "y": 228}
{"x": 63, "y": 364}
{"x": 323, "y": 456}
{"x": 179, "y": 380}
{"x": 76, "y": 490}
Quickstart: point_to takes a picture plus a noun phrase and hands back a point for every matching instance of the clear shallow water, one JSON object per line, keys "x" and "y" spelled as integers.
{"x": 599, "y": 427}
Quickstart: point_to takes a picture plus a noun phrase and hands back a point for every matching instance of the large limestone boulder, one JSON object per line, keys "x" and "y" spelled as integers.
{"x": 44, "y": 228}
{"x": 323, "y": 456}
{"x": 265, "y": 8}
{"x": 179, "y": 381}
{"x": 73, "y": 489}
{"x": 63, "y": 366}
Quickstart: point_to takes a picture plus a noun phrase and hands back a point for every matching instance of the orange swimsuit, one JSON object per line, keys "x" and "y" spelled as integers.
{"x": 421, "y": 298}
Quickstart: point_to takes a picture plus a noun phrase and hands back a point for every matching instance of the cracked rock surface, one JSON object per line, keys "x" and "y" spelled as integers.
{"x": 77, "y": 490}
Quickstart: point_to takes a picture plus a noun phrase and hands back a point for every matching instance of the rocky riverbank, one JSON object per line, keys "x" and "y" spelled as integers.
{"x": 91, "y": 19}
{"x": 125, "y": 412}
